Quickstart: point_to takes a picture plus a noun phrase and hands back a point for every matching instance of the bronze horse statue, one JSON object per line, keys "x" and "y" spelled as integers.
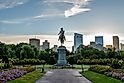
{"x": 61, "y": 36}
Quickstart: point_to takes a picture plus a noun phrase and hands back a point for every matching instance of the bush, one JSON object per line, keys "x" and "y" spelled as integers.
{"x": 95, "y": 61}
{"x": 100, "y": 68}
{"x": 116, "y": 63}
{"x": 1, "y": 65}
{"x": 5, "y": 65}
{"x": 29, "y": 69}
{"x": 27, "y": 62}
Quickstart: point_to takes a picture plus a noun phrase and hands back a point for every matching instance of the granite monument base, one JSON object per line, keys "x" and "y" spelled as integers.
{"x": 61, "y": 57}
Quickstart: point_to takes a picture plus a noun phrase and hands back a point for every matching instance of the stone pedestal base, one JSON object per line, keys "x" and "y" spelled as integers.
{"x": 61, "y": 56}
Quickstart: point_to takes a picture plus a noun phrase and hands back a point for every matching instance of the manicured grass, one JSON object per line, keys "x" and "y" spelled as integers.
{"x": 99, "y": 78}
{"x": 28, "y": 78}
{"x": 80, "y": 67}
{"x": 45, "y": 66}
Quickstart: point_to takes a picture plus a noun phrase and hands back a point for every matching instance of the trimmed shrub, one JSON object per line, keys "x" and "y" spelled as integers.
{"x": 114, "y": 63}
{"x": 27, "y": 62}
{"x": 100, "y": 68}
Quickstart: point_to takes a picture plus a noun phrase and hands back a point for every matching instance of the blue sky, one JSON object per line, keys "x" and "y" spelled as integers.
{"x": 47, "y": 16}
{"x": 22, "y": 19}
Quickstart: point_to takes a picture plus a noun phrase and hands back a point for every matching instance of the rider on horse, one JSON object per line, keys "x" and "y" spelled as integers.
{"x": 61, "y": 37}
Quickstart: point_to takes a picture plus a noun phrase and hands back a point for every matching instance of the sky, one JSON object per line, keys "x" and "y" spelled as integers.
{"x": 46, "y": 17}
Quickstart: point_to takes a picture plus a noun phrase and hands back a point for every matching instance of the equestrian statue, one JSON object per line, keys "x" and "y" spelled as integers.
{"x": 61, "y": 36}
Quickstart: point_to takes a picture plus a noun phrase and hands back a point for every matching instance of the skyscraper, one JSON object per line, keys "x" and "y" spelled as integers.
{"x": 99, "y": 40}
{"x": 55, "y": 47}
{"x": 122, "y": 47}
{"x": 46, "y": 45}
{"x": 35, "y": 42}
{"x": 78, "y": 40}
{"x": 116, "y": 42}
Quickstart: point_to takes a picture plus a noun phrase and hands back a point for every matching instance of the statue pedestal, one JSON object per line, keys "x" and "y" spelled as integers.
{"x": 61, "y": 56}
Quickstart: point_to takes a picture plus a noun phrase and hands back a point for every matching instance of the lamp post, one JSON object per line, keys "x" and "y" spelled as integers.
{"x": 82, "y": 68}
{"x": 43, "y": 67}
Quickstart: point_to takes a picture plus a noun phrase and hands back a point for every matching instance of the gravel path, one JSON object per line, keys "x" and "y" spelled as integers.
{"x": 63, "y": 76}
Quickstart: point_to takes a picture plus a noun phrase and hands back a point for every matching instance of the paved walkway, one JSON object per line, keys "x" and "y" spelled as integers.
{"x": 63, "y": 76}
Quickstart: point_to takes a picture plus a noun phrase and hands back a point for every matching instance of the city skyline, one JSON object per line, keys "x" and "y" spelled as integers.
{"x": 53, "y": 39}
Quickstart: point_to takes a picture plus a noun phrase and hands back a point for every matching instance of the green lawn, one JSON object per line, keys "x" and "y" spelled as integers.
{"x": 99, "y": 78}
{"x": 28, "y": 78}
{"x": 80, "y": 66}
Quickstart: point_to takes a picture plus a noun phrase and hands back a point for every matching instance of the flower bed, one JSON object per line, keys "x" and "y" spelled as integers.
{"x": 115, "y": 74}
{"x": 108, "y": 71}
{"x": 14, "y": 73}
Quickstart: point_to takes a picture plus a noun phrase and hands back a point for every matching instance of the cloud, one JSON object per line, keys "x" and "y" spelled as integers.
{"x": 59, "y": 1}
{"x": 48, "y": 15}
{"x": 11, "y": 3}
{"x": 75, "y": 10}
{"x": 77, "y": 6}
{"x": 29, "y": 20}
{"x": 10, "y": 22}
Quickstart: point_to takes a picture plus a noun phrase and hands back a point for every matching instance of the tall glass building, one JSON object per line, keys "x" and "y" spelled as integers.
{"x": 99, "y": 40}
{"x": 78, "y": 40}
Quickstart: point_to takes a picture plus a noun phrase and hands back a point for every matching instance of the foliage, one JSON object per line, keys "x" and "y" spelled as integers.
{"x": 27, "y": 62}
{"x": 71, "y": 60}
{"x": 1, "y": 65}
{"x": 21, "y": 51}
{"x": 100, "y": 68}
{"x": 84, "y": 55}
{"x": 95, "y": 61}
{"x": 28, "y": 69}
{"x": 89, "y": 52}
{"x": 114, "y": 63}
{"x": 5, "y": 65}
{"x": 92, "y": 53}
{"x": 5, "y": 59}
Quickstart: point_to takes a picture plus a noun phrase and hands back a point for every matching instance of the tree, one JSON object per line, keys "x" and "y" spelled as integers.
{"x": 71, "y": 60}
{"x": 3, "y": 50}
{"x": 52, "y": 60}
{"x": 110, "y": 53}
{"x": 5, "y": 59}
{"x": 36, "y": 52}
{"x": 27, "y": 52}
